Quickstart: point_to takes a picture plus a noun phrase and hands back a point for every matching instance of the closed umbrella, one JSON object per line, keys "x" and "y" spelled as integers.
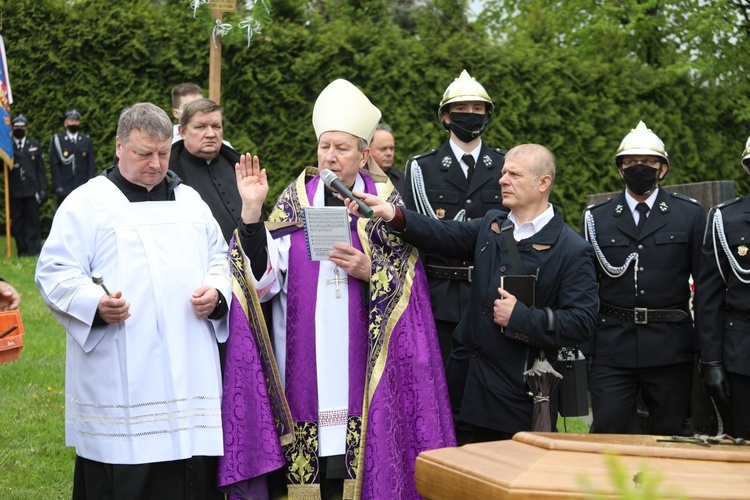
{"x": 542, "y": 380}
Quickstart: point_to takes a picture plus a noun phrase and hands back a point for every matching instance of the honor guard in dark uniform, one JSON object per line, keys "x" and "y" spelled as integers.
{"x": 458, "y": 181}
{"x": 722, "y": 299}
{"x": 27, "y": 189}
{"x": 71, "y": 156}
{"x": 647, "y": 244}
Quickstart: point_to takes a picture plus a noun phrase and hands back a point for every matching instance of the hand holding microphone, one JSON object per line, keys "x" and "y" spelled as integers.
{"x": 335, "y": 184}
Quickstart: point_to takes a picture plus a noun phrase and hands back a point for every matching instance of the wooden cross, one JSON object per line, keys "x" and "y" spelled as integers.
{"x": 336, "y": 281}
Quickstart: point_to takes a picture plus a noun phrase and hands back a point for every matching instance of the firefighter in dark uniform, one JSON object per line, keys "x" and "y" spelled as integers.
{"x": 458, "y": 181}
{"x": 647, "y": 243}
{"x": 722, "y": 299}
{"x": 27, "y": 189}
{"x": 71, "y": 157}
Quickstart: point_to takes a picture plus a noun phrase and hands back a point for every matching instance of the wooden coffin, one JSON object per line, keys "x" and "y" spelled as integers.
{"x": 552, "y": 465}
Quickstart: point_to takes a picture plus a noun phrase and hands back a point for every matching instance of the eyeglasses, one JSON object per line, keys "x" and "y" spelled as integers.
{"x": 629, "y": 162}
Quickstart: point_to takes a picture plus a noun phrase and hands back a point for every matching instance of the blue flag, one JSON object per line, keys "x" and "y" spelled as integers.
{"x": 6, "y": 143}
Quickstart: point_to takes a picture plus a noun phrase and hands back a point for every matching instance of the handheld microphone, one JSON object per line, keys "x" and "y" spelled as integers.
{"x": 334, "y": 183}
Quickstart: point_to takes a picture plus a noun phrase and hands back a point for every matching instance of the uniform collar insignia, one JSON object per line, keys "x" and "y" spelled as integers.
{"x": 663, "y": 207}
{"x": 618, "y": 209}
{"x": 487, "y": 160}
{"x": 446, "y": 162}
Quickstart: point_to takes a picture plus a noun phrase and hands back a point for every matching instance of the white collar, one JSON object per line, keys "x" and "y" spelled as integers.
{"x": 529, "y": 229}
{"x": 632, "y": 202}
{"x": 459, "y": 153}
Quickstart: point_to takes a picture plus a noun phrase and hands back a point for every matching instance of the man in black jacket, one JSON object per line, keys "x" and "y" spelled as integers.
{"x": 204, "y": 163}
{"x": 499, "y": 337}
{"x": 27, "y": 189}
{"x": 647, "y": 242}
{"x": 460, "y": 181}
{"x": 723, "y": 310}
{"x": 71, "y": 156}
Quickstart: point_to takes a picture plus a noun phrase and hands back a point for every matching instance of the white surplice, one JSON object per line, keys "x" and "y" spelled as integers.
{"x": 148, "y": 389}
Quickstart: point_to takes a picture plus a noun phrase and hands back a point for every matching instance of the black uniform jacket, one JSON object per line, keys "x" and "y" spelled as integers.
{"x": 724, "y": 335}
{"x": 216, "y": 182}
{"x": 669, "y": 252}
{"x": 27, "y": 177}
{"x": 485, "y": 371}
{"x": 85, "y": 165}
{"x": 449, "y": 192}
{"x": 397, "y": 177}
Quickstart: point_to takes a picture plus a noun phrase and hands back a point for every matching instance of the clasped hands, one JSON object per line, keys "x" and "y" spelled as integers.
{"x": 115, "y": 309}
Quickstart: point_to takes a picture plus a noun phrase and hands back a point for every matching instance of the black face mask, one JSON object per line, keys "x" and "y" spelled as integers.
{"x": 468, "y": 126}
{"x": 19, "y": 133}
{"x": 641, "y": 179}
{"x": 74, "y": 128}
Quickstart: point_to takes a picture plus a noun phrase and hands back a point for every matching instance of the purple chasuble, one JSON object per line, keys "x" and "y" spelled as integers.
{"x": 301, "y": 367}
{"x": 398, "y": 400}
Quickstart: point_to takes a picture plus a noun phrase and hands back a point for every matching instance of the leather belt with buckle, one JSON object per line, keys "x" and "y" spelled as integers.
{"x": 641, "y": 315}
{"x": 741, "y": 315}
{"x": 449, "y": 273}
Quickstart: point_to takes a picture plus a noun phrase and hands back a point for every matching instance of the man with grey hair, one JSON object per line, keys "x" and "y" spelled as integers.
{"x": 499, "y": 336}
{"x": 143, "y": 384}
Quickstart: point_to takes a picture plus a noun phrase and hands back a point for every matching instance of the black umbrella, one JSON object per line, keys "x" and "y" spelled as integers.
{"x": 542, "y": 380}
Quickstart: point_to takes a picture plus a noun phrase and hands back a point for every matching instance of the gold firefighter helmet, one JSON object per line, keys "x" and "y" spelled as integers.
{"x": 641, "y": 141}
{"x": 746, "y": 156}
{"x": 465, "y": 89}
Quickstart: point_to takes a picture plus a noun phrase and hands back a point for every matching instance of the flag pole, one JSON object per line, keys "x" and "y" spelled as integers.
{"x": 6, "y": 149}
{"x": 6, "y": 173}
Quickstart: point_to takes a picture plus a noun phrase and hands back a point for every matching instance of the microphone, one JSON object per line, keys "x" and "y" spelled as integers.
{"x": 334, "y": 183}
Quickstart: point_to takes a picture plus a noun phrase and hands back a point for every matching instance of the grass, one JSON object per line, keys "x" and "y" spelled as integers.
{"x": 34, "y": 461}
{"x": 33, "y": 458}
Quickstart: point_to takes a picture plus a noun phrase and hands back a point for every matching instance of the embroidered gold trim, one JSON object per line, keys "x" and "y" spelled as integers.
{"x": 304, "y": 491}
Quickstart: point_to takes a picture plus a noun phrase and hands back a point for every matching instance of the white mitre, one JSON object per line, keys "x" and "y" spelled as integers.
{"x": 343, "y": 107}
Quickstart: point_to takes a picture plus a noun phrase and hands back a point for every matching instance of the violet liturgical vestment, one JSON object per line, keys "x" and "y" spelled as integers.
{"x": 397, "y": 398}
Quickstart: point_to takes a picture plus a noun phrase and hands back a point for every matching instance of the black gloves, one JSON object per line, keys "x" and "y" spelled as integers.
{"x": 715, "y": 381}
{"x": 41, "y": 197}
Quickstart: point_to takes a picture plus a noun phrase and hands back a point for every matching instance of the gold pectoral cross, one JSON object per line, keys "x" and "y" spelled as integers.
{"x": 335, "y": 281}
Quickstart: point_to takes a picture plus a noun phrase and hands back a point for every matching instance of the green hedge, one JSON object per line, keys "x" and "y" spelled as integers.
{"x": 577, "y": 88}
